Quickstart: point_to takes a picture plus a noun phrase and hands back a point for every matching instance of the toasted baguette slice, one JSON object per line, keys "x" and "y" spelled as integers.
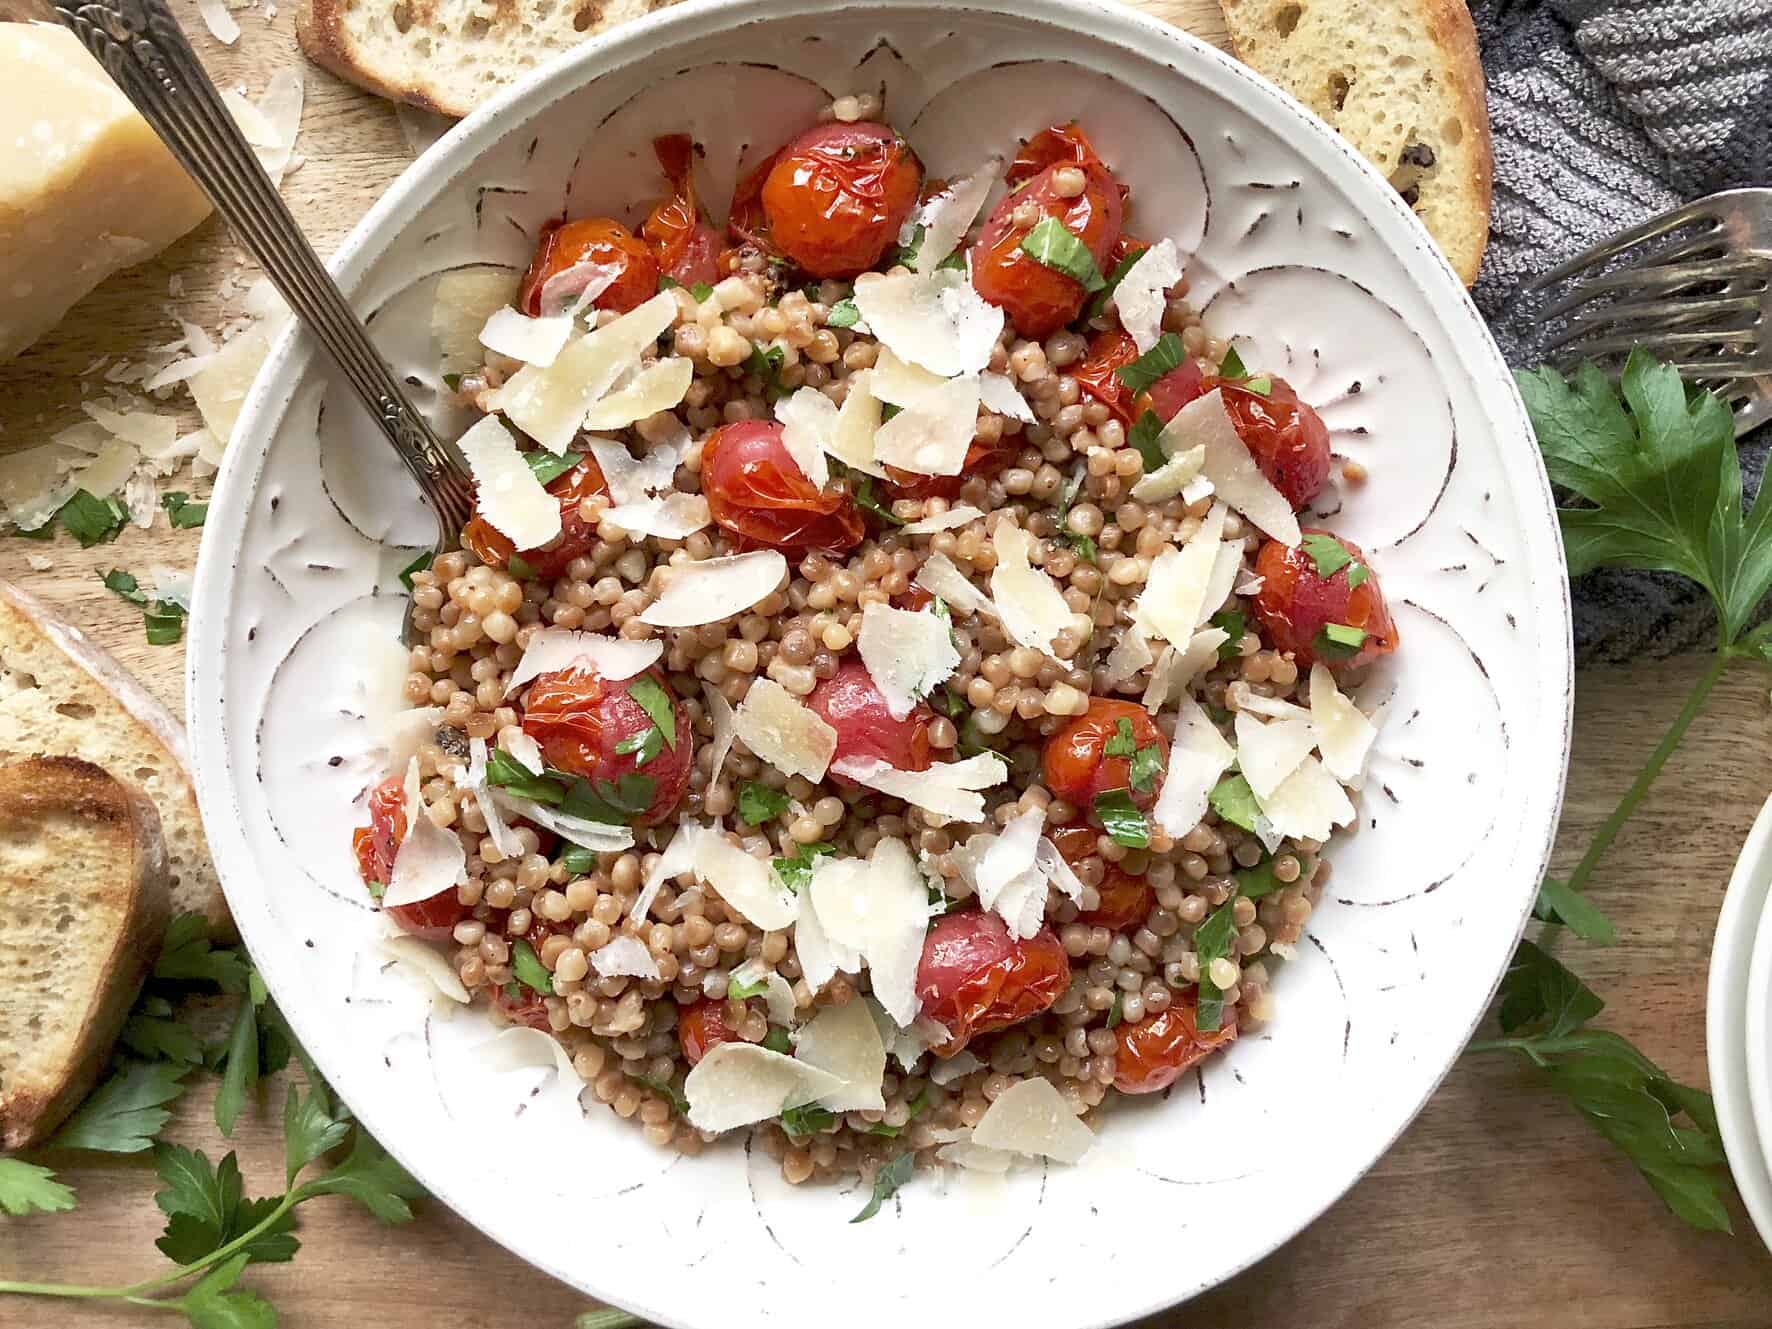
{"x": 60, "y": 694}
{"x": 449, "y": 55}
{"x": 84, "y": 903}
{"x": 1401, "y": 81}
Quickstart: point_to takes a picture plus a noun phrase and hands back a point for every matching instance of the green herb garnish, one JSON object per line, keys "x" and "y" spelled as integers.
{"x": 657, "y": 704}
{"x": 1235, "y": 624}
{"x": 1232, "y": 365}
{"x": 1326, "y": 552}
{"x": 1166, "y": 355}
{"x": 1122, "y": 743}
{"x": 1122, "y": 820}
{"x": 183, "y": 513}
{"x": 1212, "y": 941}
{"x": 92, "y": 521}
{"x": 546, "y": 467}
{"x": 1260, "y": 386}
{"x": 519, "y": 567}
{"x": 1234, "y": 801}
{"x": 1338, "y": 641}
{"x": 1255, "y": 882}
{"x": 1116, "y": 1012}
{"x": 647, "y": 743}
{"x": 1147, "y": 765}
{"x": 165, "y": 622}
{"x": 578, "y": 860}
{"x": 737, "y": 991}
{"x": 1144, "y": 436}
{"x": 1052, "y": 246}
{"x": 617, "y": 802}
{"x": 886, "y": 1182}
{"x": 665, "y": 1089}
{"x": 758, "y": 804}
{"x": 844, "y": 314}
{"x": 777, "y": 1040}
{"x": 420, "y": 564}
{"x": 796, "y": 872}
{"x": 864, "y": 498}
{"x": 950, "y": 702}
{"x": 506, "y": 772}
{"x": 808, "y": 1119}
{"x": 1097, "y": 305}
{"x": 527, "y": 968}
{"x": 125, "y": 585}
{"x": 906, "y": 254}
{"x": 701, "y": 291}
{"x": 765, "y": 363}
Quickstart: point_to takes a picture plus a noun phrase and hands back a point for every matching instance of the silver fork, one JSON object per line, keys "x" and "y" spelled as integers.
{"x": 146, "y": 53}
{"x": 1693, "y": 286}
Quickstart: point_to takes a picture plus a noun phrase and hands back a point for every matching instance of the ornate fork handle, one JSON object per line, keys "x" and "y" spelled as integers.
{"x": 142, "y": 47}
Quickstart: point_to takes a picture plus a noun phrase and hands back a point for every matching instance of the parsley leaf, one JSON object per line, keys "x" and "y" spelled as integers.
{"x": 765, "y": 363}
{"x": 1338, "y": 641}
{"x": 213, "y": 1304}
{"x": 1147, "y": 765}
{"x": 165, "y": 623}
{"x": 864, "y": 498}
{"x": 183, "y": 513}
{"x": 1212, "y": 941}
{"x": 152, "y": 1032}
{"x": 527, "y": 968}
{"x": 369, "y": 1176}
{"x": 607, "y": 1318}
{"x": 1260, "y": 385}
{"x": 886, "y": 1183}
{"x": 1166, "y": 355}
{"x": 648, "y": 742}
{"x": 844, "y": 314}
{"x": 1232, "y": 365}
{"x": 617, "y": 802}
{"x": 126, "y": 1112}
{"x": 1557, "y": 903}
{"x": 420, "y": 564}
{"x": 777, "y": 1040}
{"x": 657, "y": 704}
{"x": 519, "y": 567}
{"x": 92, "y": 521}
{"x": 578, "y": 860}
{"x": 670, "y": 1092}
{"x": 1052, "y": 246}
{"x": 796, "y": 872}
{"x": 1255, "y": 882}
{"x": 309, "y": 1131}
{"x": 745, "y": 991}
{"x": 808, "y": 1119}
{"x": 1144, "y": 435}
{"x": 701, "y": 291}
{"x": 26, "y": 1188}
{"x": 187, "y": 956}
{"x": 505, "y": 771}
{"x": 546, "y": 467}
{"x": 1235, "y": 624}
{"x": 1326, "y": 552}
{"x": 906, "y": 254}
{"x": 758, "y": 803}
{"x": 1122, "y": 743}
{"x": 125, "y": 585}
{"x": 1116, "y": 1011}
{"x": 1234, "y": 801}
{"x": 1122, "y": 820}
{"x": 242, "y": 1068}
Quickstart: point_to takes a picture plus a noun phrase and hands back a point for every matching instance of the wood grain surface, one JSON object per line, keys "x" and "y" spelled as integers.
{"x": 1497, "y": 1208}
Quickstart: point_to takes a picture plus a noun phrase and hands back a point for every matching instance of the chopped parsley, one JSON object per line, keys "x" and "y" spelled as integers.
{"x": 376, "y": 890}
{"x": 1147, "y": 765}
{"x": 165, "y": 622}
{"x": 765, "y": 363}
{"x": 1232, "y": 365}
{"x": 646, "y": 742}
{"x": 1113, "y": 281}
{"x": 1234, "y": 801}
{"x": 667, "y": 1090}
{"x": 950, "y": 702}
{"x": 1258, "y": 881}
{"x": 546, "y": 467}
{"x": 1122, "y": 820}
{"x": 844, "y": 314}
{"x": 657, "y": 704}
{"x": 1143, "y": 435}
{"x": 617, "y": 802}
{"x": 796, "y": 872}
{"x": 1230, "y": 621}
{"x": 420, "y": 564}
{"x": 777, "y": 1040}
{"x": 745, "y": 991}
{"x": 1260, "y": 386}
{"x": 1122, "y": 744}
{"x": 125, "y": 585}
{"x": 505, "y": 771}
{"x": 864, "y": 498}
{"x": 701, "y": 291}
{"x": 906, "y": 253}
{"x": 183, "y": 513}
{"x": 1338, "y": 641}
{"x": 1116, "y": 1012}
{"x": 758, "y": 804}
{"x": 91, "y": 521}
{"x": 527, "y": 968}
{"x": 886, "y": 1183}
{"x": 519, "y": 568}
{"x": 1082, "y": 544}
{"x": 1212, "y": 941}
{"x": 578, "y": 860}
{"x": 1166, "y": 355}
{"x": 1051, "y": 245}
{"x": 1326, "y": 552}
{"x": 807, "y": 1119}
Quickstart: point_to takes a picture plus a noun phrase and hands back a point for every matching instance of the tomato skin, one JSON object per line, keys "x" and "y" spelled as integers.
{"x": 756, "y": 492}
{"x": 682, "y": 242}
{"x": 375, "y": 846}
{"x": 1171, "y": 392}
{"x": 577, "y": 536}
{"x": 1040, "y": 300}
{"x": 983, "y": 459}
{"x": 1109, "y": 350}
{"x": 701, "y": 1027}
{"x": 1153, "y": 1053}
{"x": 1294, "y": 603}
{"x": 849, "y": 702}
{"x": 591, "y": 240}
{"x": 1125, "y": 901}
{"x": 579, "y": 720}
{"x": 975, "y": 978}
{"x": 1073, "y": 762}
{"x": 430, "y": 920}
{"x": 1288, "y": 439}
{"x": 528, "y": 1007}
{"x": 836, "y": 196}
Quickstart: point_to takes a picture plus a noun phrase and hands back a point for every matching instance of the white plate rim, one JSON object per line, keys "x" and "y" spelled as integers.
{"x": 1738, "y": 1022}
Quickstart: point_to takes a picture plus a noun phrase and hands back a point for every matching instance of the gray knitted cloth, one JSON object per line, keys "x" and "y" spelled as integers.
{"x": 1603, "y": 113}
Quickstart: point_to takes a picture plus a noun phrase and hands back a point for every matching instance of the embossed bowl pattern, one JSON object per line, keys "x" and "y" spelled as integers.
{"x": 1299, "y": 250}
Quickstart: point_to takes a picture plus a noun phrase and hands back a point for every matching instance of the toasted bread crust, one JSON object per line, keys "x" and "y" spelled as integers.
{"x": 320, "y": 31}
{"x": 33, "y": 1106}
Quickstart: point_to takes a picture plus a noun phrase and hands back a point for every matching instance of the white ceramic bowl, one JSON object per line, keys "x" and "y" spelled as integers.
{"x": 1302, "y": 250}
{"x": 1738, "y": 1023}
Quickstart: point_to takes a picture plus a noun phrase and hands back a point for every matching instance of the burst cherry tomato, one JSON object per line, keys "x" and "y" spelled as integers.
{"x": 849, "y": 702}
{"x": 685, "y": 246}
{"x": 1076, "y": 763}
{"x": 1039, "y": 300}
{"x": 580, "y": 722}
{"x": 577, "y": 536}
{"x": 1171, "y": 392}
{"x": 1125, "y": 899}
{"x": 755, "y": 490}
{"x": 527, "y": 1007}
{"x": 1109, "y": 350}
{"x": 982, "y": 458}
{"x": 1153, "y": 1053}
{"x": 974, "y": 977}
{"x": 1288, "y": 439}
{"x": 594, "y": 240}
{"x": 836, "y": 196}
{"x": 1322, "y": 618}
{"x": 377, "y": 843}
{"x": 701, "y": 1027}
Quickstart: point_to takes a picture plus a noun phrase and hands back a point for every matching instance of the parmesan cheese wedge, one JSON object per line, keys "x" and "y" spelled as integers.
{"x": 716, "y": 588}
{"x": 948, "y": 788}
{"x": 852, "y": 440}
{"x": 940, "y": 577}
{"x": 933, "y": 431}
{"x": 1344, "y": 734}
{"x": 465, "y": 299}
{"x": 1008, "y": 880}
{"x": 958, "y": 515}
{"x": 788, "y": 735}
{"x": 1198, "y": 756}
{"x": 821, "y": 959}
{"x": 1308, "y": 804}
{"x": 844, "y": 1042}
{"x": 878, "y": 915}
{"x": 736, "y": 1084}
{"x": 678, "y": 859}
{"x": 1031, "y": 605}
{"x": 220, "y": 387}
{"x": 1000, "y": 395}
{"x": 424, "y": 964}
{"x": 808, "y": 426}
{"x": 1171, "y": 478}
{"x": 1031, "y": 1117}
{"x": 429, "y": 860}
{"x": 949, "y": 214}
{"x": 725, "y": 728}
{"x": 509, "y": 496}
{"x": 1204, "y": 423}
{"x": 599, "y": 836}
{"x": 907, "y": 652}
{"x": 657, "y": 387}
{"x": 624, "y": 957}
{"x": 1131, "y": 653}
{"x": 1175, "y": 591}
{"x": 747, "y": 884}
{"x": 933, "y": 319}
{"x": 614, "y": 659}
{"x": 1269, "y": 751}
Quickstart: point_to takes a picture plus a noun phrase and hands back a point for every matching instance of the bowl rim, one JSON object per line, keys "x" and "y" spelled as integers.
{"x": 1134, "y": 30}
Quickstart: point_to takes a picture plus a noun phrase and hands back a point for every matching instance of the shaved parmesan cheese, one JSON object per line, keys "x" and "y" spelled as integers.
{"x": 778, "y": 728}
{"x": 1269, "y": 708}
{"x": 1031, "y": 1117}
{"x": 1226, "y": 564}
{"x": 658, "y": 387}
{"x": 280, "y": 107}
{"x": 975, "y": 1157}
{"x": 1269, "y": 751}
{"x": 429, "y": 859}
{"x": 878, "y": 914}
{"x": 947, "y": 216}
{"x": 526, "y": 751}
{"x": 717, "y": 588}
{"x": 581, "y": 284}
{"x": 1344, "y": 734}
{"x": 1198, "y": 756}
{"x": 852, "y": 440}
{"x": 957, "y": 1067}
{"x": 677, "y": 860}
{"x": 153, "y": 434}
{"x": 1201, "y": 653}
{"x": 220, "y": 387}
{"x": 598, "y": 836}
{"x": 1175, "y": 591}
{"x": 550, "y": 404}
{"x": 907, "y": 652}
{"x": 808, "y": 423}
{"x": 1309, "y": 803}
{"x": 958, "y": 515}
{"x": 1204, "y": 423}
{"x": 220, "y": 23}
{"x": 634, "y": 479}
{"x": 736, "y": 1084}
{"x": 1197, "y": 490}
{"x": 909, "y": 1045}
{"x": 933, "y": 319}
{"x": 472, "y": 779}
{"x": 821, "y": 959}
{"x": 939, "y": 576}
{"x": 673, "y": 517}
{"x": 400, "y": 735}
{"x": 536, "y": 341}
{"x": 105, "y": 474}
{"x": 31, "y": 485}
{"x": 1171, "y": 478}
{"x": 624, "y": 957}
{"x": 465, "y": 300}
{"x": 1009, "y": 882}
{"x": 1058, "y": 872}
{"x": 1033, "y": 609}
{"x": 1142, "y": 296}
{"x": 720, "y": 713}
{"x": 748, "y": 885}
{"x": 931, "y": 435}
{"x": 1130, "y": 654}
{"x": 778, "y": 994}
{"x": 425, "y": 964}
{"x": 508, "y": 495}
{"x": 948, "y": 788}
{"x": 844, "y": 1042}
{"x": 999, "y": 394}
{"x": 613, "y": 658}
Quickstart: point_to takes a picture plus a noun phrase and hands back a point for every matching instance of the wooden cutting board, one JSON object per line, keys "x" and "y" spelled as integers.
{"x": 1498, "y": 1208}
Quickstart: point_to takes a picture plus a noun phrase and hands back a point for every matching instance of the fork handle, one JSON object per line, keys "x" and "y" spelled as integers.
{"x": 146, "y": 53}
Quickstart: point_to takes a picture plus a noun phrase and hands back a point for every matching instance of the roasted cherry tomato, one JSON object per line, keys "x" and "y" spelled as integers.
{"x": 686, "y": 247}
{"x": 1288, "y": 439}
{"x": 849, "y": 702}
{"x": 1040, "y": 300}
{"x": 1322, "y": 618}
{"x": 974, "y": 977}
{"x": 565, "y": 245}
{"x": 526, "y": 1006}
{"x": 377, "y": 843}
{"x": 577, "y": 536}
{"x": 755, "y": 491}
{"x": 1171, "y": 392}
{"x": 1078, "y": 767}
{"x": 982, "y": 458}
{"x": 1109, "y": 351}
{"x": 836, "y": 196}
{"x": 1125, "y": 899}
{"x": 580, "y": 722}
{"x": 1153, "y": 1053}
{"x": 701, "y": 1027}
